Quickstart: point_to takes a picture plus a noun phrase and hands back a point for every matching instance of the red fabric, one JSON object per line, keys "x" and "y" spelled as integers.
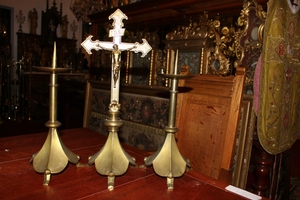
{"x": 256, "y": 84}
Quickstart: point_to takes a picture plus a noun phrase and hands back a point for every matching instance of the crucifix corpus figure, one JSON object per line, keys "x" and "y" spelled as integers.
{"x": 116, "y": 60}
{"x": 116, "y": 54}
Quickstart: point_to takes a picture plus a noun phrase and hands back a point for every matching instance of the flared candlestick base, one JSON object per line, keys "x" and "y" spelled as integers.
{"x": 112, "y": 160}
{"x": 53, "y": 156}
{"x": 167, "y": 161}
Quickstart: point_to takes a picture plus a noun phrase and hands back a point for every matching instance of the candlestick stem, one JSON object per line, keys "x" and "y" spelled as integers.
{"x": 176, "y": 63}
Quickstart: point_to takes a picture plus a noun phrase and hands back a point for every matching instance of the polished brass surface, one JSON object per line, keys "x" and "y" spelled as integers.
{"x": 53, "y": 157}
{"x": 167, "y": 161}
{"x": 112, "y": 160}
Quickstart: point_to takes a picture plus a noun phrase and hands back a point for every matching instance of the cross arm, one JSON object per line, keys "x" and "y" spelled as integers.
{"x": 143, "y": 47}
{"x": 88, "y": 45}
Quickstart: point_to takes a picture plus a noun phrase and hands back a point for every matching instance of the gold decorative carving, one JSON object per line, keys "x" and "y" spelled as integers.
{"x": 213, "y": 37}
{"x": 248, "y": 37}
{"x": 219, "y": 60}
{"x": 217, "y": 63}
{"x": 194, "y": 30}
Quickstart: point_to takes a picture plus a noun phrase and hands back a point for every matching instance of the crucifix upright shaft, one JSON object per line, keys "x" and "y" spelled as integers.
{"x": 112, "y": 160}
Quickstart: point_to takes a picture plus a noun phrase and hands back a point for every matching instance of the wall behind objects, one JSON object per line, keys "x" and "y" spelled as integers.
{"x": 40, "y": 5}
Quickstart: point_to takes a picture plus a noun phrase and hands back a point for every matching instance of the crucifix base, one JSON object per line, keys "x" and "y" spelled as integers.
{"x": 53, "y": 156}
{"x": 112, "y": 160}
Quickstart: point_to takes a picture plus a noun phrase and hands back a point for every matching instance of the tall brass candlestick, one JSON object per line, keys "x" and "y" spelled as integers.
{"x": 167, "y": 161}
{"x": 54, "y": 155}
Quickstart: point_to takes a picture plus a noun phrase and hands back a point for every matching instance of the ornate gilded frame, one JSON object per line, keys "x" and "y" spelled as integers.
{"x": 209, "y": 40}
{"x": 244, "y": 143}
{"x": 248, "y": 39}
{"x": 190, "y": 52}
{"x": 248, "y": 44}
{"x": 193, "y": 44}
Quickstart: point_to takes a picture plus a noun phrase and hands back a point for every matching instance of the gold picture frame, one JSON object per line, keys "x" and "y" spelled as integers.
{"x": 244, "y": 142}
{"x": 191, "y": 52}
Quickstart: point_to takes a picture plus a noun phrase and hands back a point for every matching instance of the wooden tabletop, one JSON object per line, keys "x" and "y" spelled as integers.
{"x": 18, "y": 180}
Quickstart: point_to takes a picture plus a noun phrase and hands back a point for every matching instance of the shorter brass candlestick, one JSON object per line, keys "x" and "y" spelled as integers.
{"x": 54, "y": 155}
{"x": 167, "y": 161}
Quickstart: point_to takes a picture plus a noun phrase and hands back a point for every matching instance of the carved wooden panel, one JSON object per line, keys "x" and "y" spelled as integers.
{"x": 208, "y": 116}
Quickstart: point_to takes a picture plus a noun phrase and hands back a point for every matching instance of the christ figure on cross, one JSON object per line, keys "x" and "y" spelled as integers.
{"x": 116, "y": 60}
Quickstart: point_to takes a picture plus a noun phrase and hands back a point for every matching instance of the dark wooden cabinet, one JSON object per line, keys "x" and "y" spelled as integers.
{"x": 36, "y": 51}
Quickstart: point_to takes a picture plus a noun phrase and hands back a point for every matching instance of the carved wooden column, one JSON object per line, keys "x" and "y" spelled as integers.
{"x": 262, "y": 170}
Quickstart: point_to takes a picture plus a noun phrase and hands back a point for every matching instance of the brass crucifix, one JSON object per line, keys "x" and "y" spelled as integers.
{"x": 112, "y": 160}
